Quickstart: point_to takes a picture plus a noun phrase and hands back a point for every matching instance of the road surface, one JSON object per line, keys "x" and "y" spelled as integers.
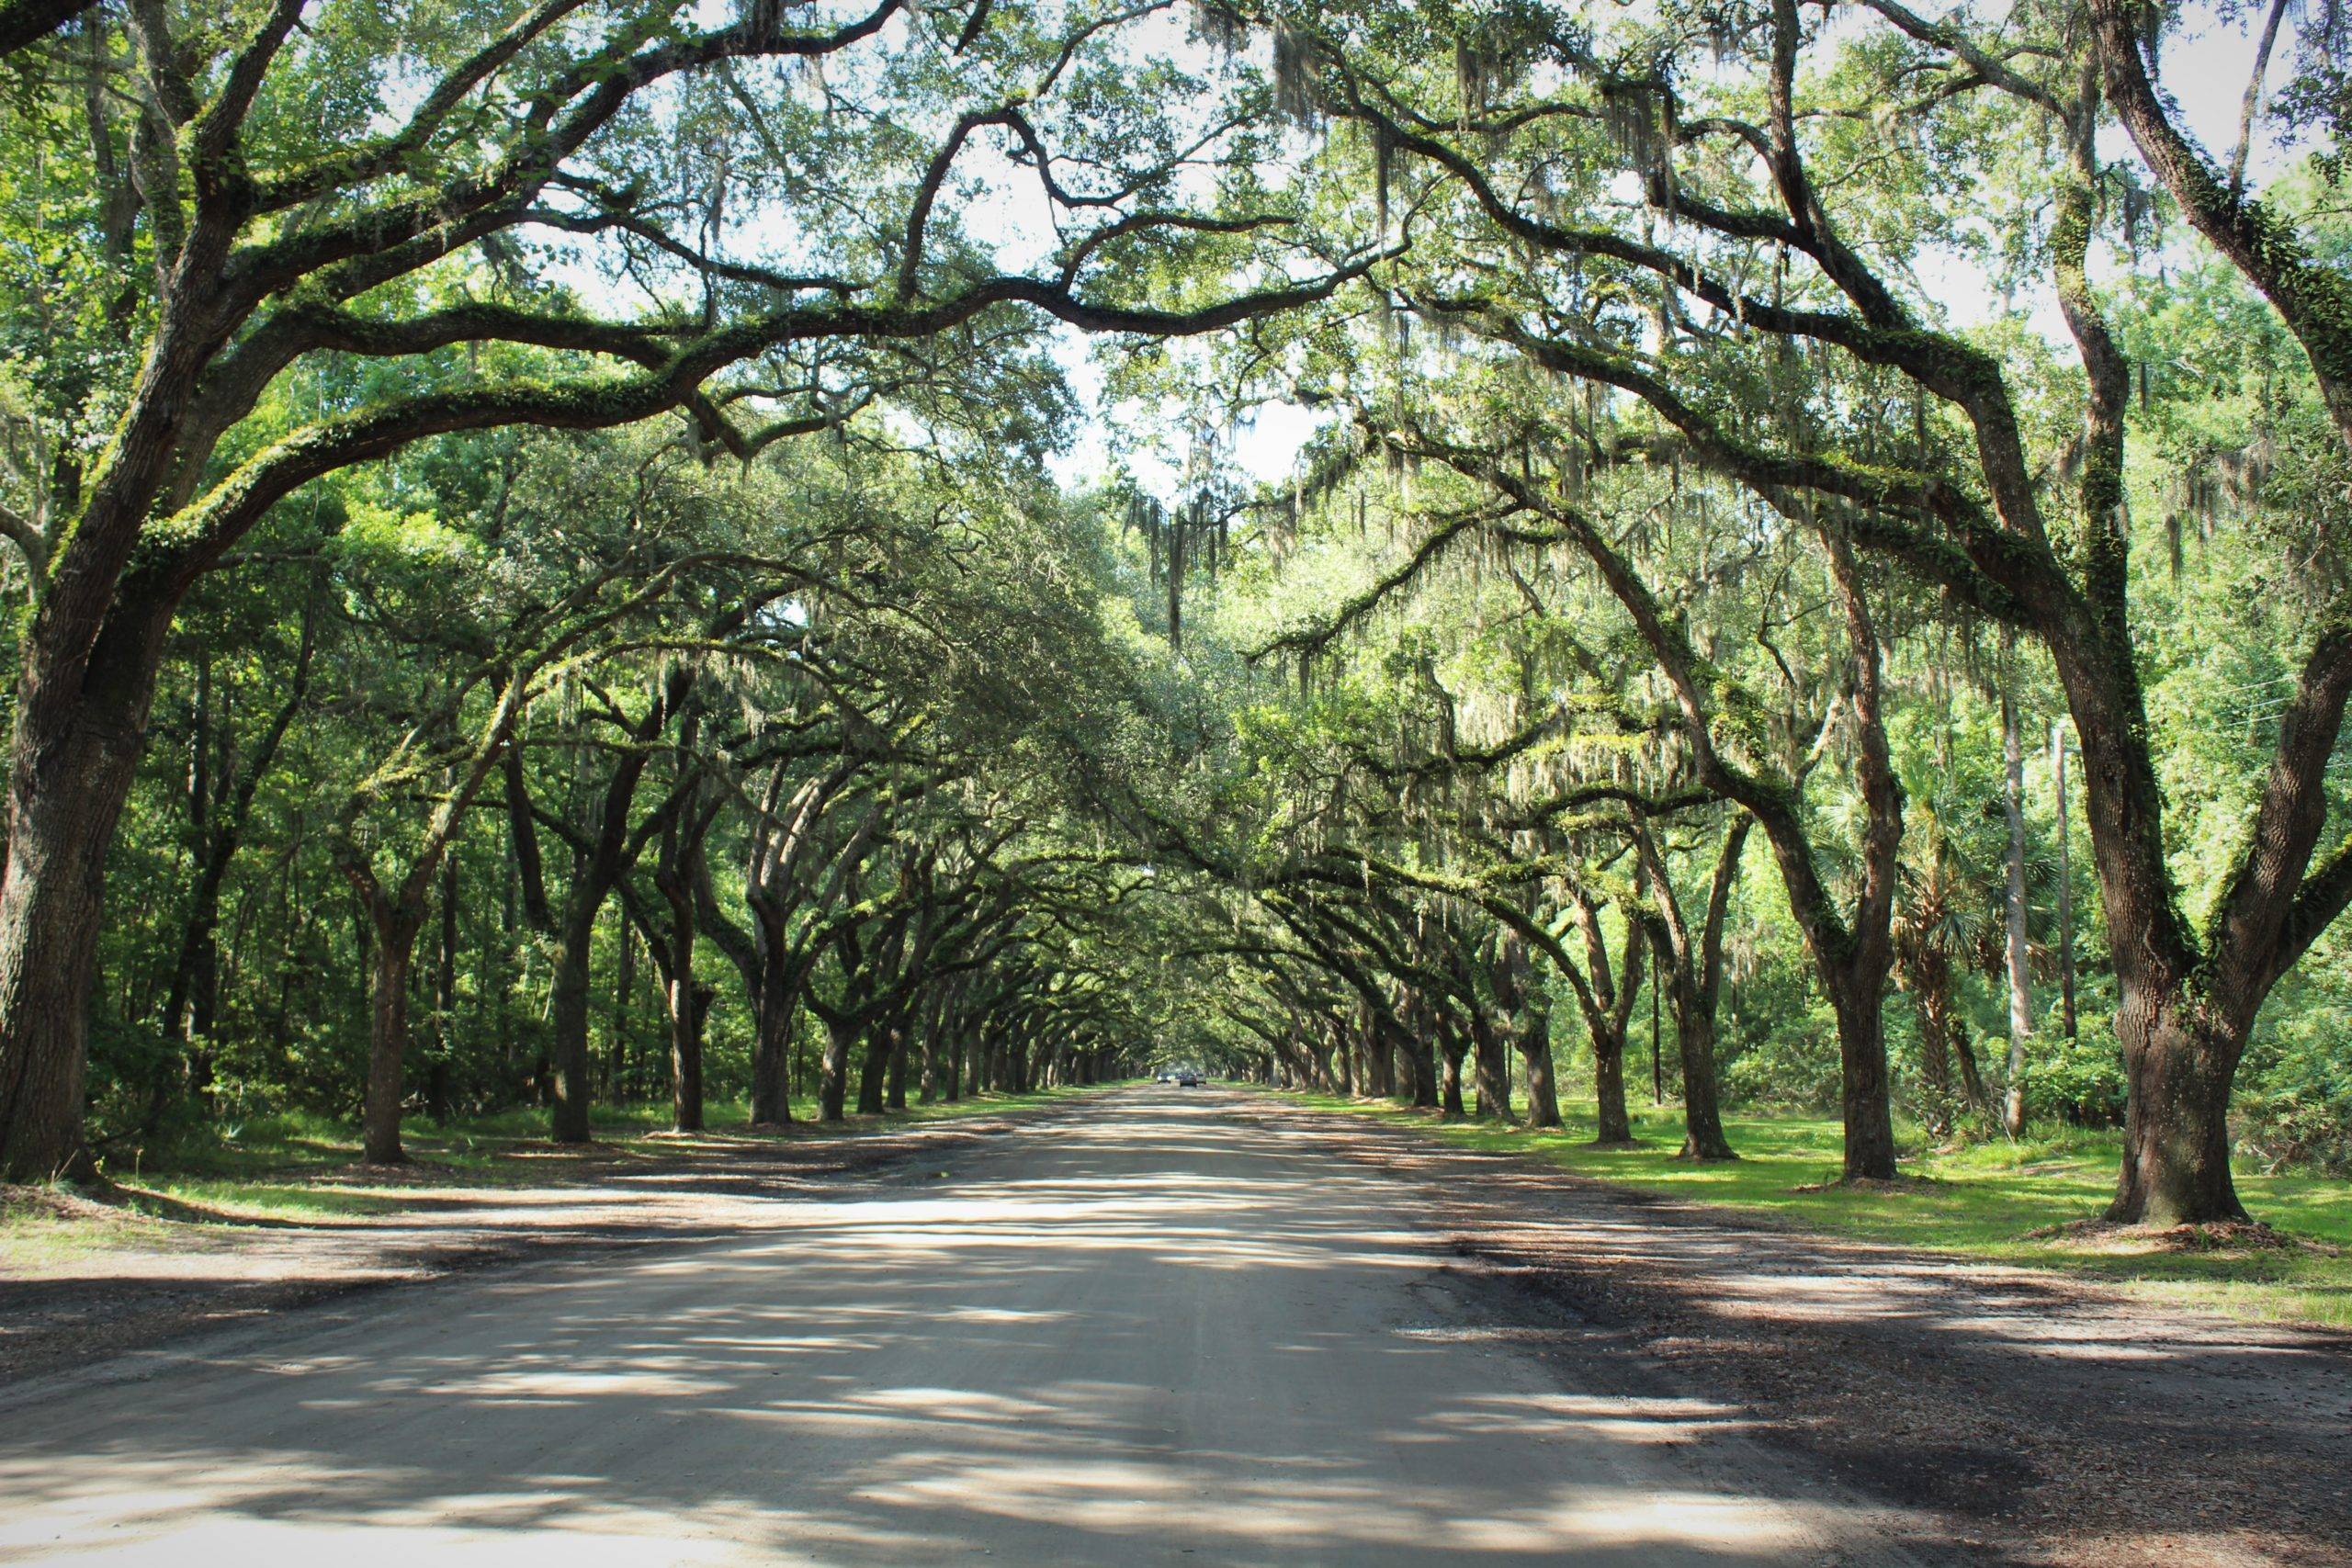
{"x": 1153, "y": 1331}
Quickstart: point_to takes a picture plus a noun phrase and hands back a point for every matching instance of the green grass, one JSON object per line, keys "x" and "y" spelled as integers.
{"x": 293, "y": 1168}
{"x": 1982, "y": 1201}
{"x": 39, "y": 1237}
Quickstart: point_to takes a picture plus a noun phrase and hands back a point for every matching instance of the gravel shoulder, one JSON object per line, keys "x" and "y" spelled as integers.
{"x": 2041, "y": 1419}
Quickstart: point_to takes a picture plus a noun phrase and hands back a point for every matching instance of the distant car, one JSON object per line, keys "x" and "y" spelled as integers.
{"x": 1187, "y": 1080}
{"x": 1166, "y": 1077}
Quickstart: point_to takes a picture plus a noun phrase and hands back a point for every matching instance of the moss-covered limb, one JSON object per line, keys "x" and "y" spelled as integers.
{"x": 611, "y": 217}
{"x": 2314, "y": 297}
{"x": 370, "y": 159}
{"x": 1883, "y": 334}
{"x": 1868, "y": 952}
{"x": 201, "y": 532}
{"x": 215, "y": 157}
{"x": 1314, "y": 638}
{"x": 1875, "y": 484}
{"x": 2276, "y": 904}
{"x": 1833, "y": 256}
{"x": 24, "y": 22}
{"x": 1351, "y": 873}
{"x": 1977, "y": 577}
{"x": 1308, "y": 933}
{"x": 1991, "y": 67}
{"x": 2105, "y": 543}
{"x": 2324, "y": 896}
{"x": 1390, "y": 952}
{"x": 1947, "y": 365}
{"x": 1775, "y": 803}
{"x": 559, "y": 119}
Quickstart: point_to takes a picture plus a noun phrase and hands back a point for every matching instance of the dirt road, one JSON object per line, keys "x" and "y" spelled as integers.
{"x": 1160, "y": 1332}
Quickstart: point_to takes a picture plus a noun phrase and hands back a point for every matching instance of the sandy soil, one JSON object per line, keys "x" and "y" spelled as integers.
{"x": 1153, "y": 1333}
{"x": 1162, "y": 1325}
{"x": 2038, "y": 1419}
{"x": 142, "y": 1281}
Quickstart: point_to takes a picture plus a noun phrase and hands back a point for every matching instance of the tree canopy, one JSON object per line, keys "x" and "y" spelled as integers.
{"x": 574, "y": 552}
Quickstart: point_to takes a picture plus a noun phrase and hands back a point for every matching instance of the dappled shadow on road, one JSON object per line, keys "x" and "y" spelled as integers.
{"x": 153, "y": 1280}
{"x": 1148, "y": 1336}
{"x": 2018, "y": 1405}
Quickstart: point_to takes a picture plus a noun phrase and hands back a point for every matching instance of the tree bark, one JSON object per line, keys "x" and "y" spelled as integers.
{"x": 833, "y": 1073}
{"x": 1535, "y": 1050}
{"x": 392, "y": 927}
{"x": 1493, "y": 1070}
{"x": 567, "y": 1013}
{"x": 1865, "y": 1102}
{"x": 1607, "y": 1002}
{"x": 872, "y": 1067}
{"x": 684, "y": 1006}
{"x": 689, "y": 1003}
{"x": 2014, "y": 910}
{"x": 1690, "y": 964}
{"x": 1694, "y": 1034}
{"x": 1614, "y": 1125}
{"x": 2178, "y": 1063}
{"x": 770, "y": 1060}
{"x": 893, "y": 1086}
{"x": 71, "y": 767}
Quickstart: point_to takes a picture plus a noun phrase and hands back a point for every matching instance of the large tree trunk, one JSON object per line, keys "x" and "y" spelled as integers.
{"x": 2178, "y": 1060}
{"x": 1529, "y": 1023}
{"x": 393, "y": 932}
{"x": 1702, "y": 1118}
{"x": 1864, "y": 1101}
{"x": 1607, "y": 1002}
{"x": 894, "y": 1087}
{"x": 1492, "y": 1068}
{"x": 72, "y": 758}
{"x": 689, "y": 1003}
{"x": 833, "y": 1073}
{"x": 1380, "y": 1062}
{"x": 1417, "y": 1072}
{"x": 568, "y": 1014}
{"x": 1615, "y": 1127}
{"x": 779, "y": 1001}
{"x": 932, "y": 1044}
{"x": 1535, "y": 1050}
{"x": 877, "y": 1062}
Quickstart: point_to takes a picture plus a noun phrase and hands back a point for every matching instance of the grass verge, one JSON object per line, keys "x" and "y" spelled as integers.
{"x": 1985, "y": 1201}
{"x": 292, "y": 1169}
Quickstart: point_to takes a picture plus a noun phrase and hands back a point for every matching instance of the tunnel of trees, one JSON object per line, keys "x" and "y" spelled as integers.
{"x": 579, "y": 553}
